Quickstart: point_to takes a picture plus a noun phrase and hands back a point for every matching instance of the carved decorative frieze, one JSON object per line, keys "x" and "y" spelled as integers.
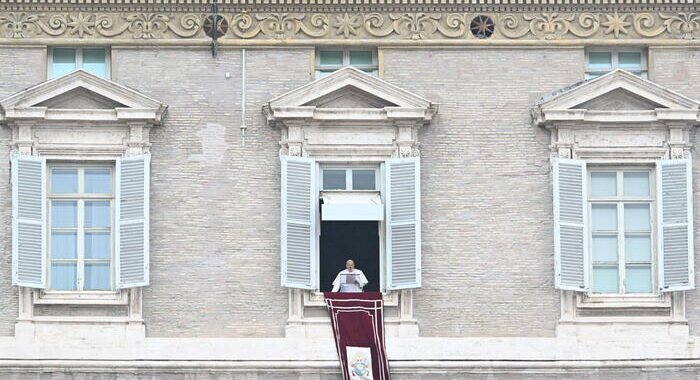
{"x": 352, "y": 25}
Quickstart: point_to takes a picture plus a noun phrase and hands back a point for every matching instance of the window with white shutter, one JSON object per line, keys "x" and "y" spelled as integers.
{"x": 403, "y": 234}
{"x": 299, "y": 215}
{"x": 28, "y": 221}
{"x": 675, "y": 215}
{"x": 570, "y": 224}
{"x": 132, "y": 234}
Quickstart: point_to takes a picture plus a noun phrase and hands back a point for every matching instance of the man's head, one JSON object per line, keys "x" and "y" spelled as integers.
{"x": 350, "y": 265}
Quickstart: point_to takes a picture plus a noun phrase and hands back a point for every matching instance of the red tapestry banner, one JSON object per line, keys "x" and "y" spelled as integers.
{"x": 358, "y": 327}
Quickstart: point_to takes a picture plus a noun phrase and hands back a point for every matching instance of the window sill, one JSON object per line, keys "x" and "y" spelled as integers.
{"x": 314, "y": 298}
{"x": 58, "y": 297}
{"x": 589, "y": 301}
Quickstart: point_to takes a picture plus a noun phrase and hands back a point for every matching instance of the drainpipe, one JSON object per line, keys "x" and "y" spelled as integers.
{"x": 243, "y": 126}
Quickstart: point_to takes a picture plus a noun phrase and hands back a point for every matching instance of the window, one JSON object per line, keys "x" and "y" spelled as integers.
{"x": 80, "y": 226}
{"x": 63, "y": 60}
{"x": 328, "y": 61}
{"x": 621, "y": 209}
{"x": 349, "y": 179}
{"x": 601, "y": 61}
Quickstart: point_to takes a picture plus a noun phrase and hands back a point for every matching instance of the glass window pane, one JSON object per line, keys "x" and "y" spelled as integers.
{"x": 637, "y": 217}
{"x": 604, "y": 217}
{"x": 361, "y": 57}
{"x": 63, "y": 276}
{"x": 323, "y": 73}
{"x": 363, "y": 180}
{"x": 97, "y": 276}
{"x": 630, "y": 60}
{"x": 637, "y": 247}
{"x": 331, "y": 57}
{"x": 334, "y": 180}
{"x": 64, "y": 214}
{"x": 63, "y": 245}
{"x": 605, "y": 279}
{"x": 636, "y": 183}
{"x": 94, "y": 61}
{"x": 600, "y": 60}
{"x": 603, "y": 183}
{"x": 371, "y": 72}
{"x": 97, "y": 245}
{"x": 98, "y": 181}
{"x": 63, "y": 61}
{"x": 97, "y": 214}
{"x": 638, "y": 279}
{"x": 64, "y": 181}
{"x": 605, "y": 248}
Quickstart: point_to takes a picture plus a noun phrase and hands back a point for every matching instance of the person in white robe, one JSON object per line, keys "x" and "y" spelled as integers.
{"x": 350, "y": 279}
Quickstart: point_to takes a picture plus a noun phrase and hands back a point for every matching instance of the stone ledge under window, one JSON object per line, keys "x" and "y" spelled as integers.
{"x": 588, "y": 301}
{"x": 58, "y": 297}
{"x": 316, "y": 299}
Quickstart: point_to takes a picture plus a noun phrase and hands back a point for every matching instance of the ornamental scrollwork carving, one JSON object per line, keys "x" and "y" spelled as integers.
{"x": 280, "y": 25}
{"x": 415, "y": 25}
{"x": 550, "y": 26}
{"x": 94, "y": 25}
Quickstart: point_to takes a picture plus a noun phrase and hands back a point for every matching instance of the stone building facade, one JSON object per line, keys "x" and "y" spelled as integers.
{"x": 166, "y": 184}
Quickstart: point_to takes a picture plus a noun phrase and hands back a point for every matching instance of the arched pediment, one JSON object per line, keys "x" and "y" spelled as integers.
{"x": 616, "y": 97}
{"x": 81, "y": 95}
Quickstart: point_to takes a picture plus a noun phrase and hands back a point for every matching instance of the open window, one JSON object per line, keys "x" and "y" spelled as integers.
{"x": 350, "y": 187}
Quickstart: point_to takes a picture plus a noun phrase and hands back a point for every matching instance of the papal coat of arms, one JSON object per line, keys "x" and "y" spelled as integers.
{"x": 359, "y": 363}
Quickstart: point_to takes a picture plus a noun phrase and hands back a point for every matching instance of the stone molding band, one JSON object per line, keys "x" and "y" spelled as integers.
{"x": 356, "y": 25}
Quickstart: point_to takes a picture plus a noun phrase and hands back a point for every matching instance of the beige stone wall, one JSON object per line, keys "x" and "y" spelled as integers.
{"x": 487, "y": 230}
{"x": 679, "y": 70}
{"x": 21, "y": 68}
{"x": 214, "y": 203}
{"x": 487, "y": 213}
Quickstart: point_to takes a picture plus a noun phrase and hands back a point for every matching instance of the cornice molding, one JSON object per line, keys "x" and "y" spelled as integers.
{"x": 265, "y": 27}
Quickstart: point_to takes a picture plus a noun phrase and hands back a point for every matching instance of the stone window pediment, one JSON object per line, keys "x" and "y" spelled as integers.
{"x": 613, "y": 98}
{"x": 81, "y": 96}
{"x": 349, "y": 115}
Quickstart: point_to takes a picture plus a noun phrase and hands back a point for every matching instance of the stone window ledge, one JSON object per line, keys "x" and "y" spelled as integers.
{"x": 591, "y": 301}
{"x": 316, "y": 299}
{"x": 56, "y": 297}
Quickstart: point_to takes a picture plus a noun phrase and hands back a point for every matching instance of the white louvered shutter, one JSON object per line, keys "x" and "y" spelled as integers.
{"x": 132, "y": 211}
{"x": 570, "y": 224}
{"x": 675, "y": 216}
{"x": 29, "y": 221}
{"x": 298, "y": 231}
{"x": 402, "y": 193}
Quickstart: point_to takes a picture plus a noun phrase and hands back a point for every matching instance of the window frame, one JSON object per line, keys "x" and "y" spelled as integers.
{"x": 79, "y": 59}
{"x": 80, "y": 198}
{"x": 348, "y": 177}
{"x": 620, "y": 200}
{"x": 615, "y": 60}
{"x": 318, "y": 69}
{"x": 378, "y": 168}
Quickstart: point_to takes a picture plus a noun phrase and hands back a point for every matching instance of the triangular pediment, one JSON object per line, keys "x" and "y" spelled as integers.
{"x": 616, "y": 90}
{"x": 350, "y": 80}
{"x": 616, "y": 97}
{"x": 352, "y": 95}
{"x": 81, "y": 95}
{"x": 350, "y": 98}
{"x": 80, "y": 98}
{"x": 619, "y": 100}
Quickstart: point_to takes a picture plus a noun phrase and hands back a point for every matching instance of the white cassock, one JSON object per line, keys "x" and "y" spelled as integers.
{"x": 349, "y": 282}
